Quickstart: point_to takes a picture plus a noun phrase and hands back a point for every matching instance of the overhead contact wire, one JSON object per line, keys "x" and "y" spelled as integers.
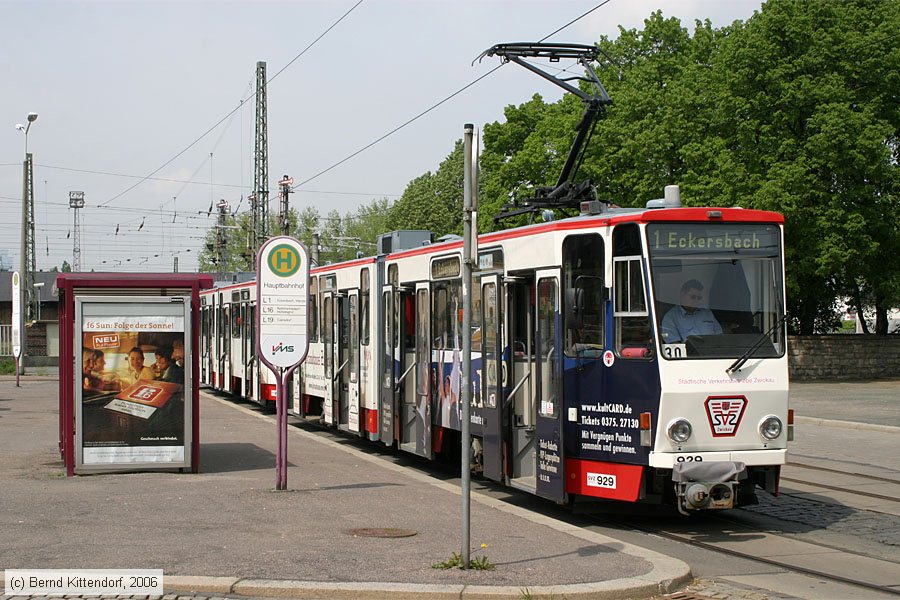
{"x": 237, "y": 108}
{"x": 431, "y": 108}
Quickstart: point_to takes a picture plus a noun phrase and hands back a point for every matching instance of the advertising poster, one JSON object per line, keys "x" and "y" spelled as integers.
{"x": 132, "y": 384}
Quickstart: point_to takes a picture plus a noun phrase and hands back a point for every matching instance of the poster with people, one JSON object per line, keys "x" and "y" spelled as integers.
{"x": 447, "y": 357}
{"x": 132, "y": 387}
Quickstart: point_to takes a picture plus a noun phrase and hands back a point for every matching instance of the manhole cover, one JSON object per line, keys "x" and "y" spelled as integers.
{"x": 381, "y": 532}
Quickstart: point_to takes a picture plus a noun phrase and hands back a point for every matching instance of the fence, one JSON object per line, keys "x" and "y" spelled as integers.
{"x": 6, "y": 340}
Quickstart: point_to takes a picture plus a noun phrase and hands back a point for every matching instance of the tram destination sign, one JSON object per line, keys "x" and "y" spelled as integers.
{"x": 282, "y": 296}
{"x": 746, "y": 239}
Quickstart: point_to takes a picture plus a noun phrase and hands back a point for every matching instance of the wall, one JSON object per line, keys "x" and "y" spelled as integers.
{"x": 843, "y": 357}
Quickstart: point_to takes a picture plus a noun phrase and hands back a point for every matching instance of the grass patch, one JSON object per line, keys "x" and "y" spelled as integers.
{"x": 476, "y": 563}
{"x": 7, "y": 366}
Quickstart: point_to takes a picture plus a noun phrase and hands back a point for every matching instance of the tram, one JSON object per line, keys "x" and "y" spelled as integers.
{"x": 584, "y": 384}
{"x": 628, "y": 354}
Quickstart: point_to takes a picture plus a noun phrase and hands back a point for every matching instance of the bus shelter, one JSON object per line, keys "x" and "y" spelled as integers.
{"x": 129, "y": 392}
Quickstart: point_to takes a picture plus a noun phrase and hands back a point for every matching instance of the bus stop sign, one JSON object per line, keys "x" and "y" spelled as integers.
{"x": 282, "y": 299}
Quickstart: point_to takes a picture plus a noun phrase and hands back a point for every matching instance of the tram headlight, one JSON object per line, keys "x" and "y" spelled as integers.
{"x": 679, "y": 431}
{"x": 770, "y": 427}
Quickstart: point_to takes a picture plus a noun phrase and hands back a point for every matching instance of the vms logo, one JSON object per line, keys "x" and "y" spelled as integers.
{"x": 280, "y": 347}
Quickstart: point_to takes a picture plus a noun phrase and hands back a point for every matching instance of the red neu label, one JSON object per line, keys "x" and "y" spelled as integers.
{"x": 106, "y": 340}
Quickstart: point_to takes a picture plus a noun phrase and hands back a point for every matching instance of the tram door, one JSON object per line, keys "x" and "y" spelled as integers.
{"x": 548, "y": 347}
{"x": 492, "y": 376}
{"x": 390, "y": 351}
{"x": 223, "y": 343}
{"x": 205, "y": 335}
{"x": 416, "y": 408}
{"x": 328, "y": 337}
{"x": 523, "y": 366}
{"x": 251, "y": 365}
{"x": 348, "y": 399}
{"x": 229, "y": 312}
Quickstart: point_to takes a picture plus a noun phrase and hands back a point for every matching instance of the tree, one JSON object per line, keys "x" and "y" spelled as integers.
{"x": 368, "y": 223}
{"x": 811, "y": 90}
{"x": 432, "y": 201}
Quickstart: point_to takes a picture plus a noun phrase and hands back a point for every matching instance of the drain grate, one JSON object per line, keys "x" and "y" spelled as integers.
{"x": 381, "y": 532}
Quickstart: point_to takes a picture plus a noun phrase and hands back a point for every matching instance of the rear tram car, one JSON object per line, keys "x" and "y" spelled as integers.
{"x": 624, "y": 354}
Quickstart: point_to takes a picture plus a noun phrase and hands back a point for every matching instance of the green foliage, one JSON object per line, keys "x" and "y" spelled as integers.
{"x": 476, "y": 563}
{"x": 432, "y": 201}
{"x": 794, "y": 110}
{"x": 812, "y": 89}
{"x": 340, "y": 237}
{"x": 7, "y": 366}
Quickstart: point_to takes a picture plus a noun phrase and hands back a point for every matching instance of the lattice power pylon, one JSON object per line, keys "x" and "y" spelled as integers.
{"x": 76, "y": 201}
{"x": 30, "y": 300}
{"x": 259, "y": 201}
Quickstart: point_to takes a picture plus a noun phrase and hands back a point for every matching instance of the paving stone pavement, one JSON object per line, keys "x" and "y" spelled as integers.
{"x": 878, "y": 527}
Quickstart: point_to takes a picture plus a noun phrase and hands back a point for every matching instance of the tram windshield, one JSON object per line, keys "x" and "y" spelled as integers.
{"x": 718, "y": 289}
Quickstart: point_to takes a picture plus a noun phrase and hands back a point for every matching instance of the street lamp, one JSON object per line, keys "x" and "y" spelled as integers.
{"x": 27, "y": 213}
{"x": 32, "y": 117}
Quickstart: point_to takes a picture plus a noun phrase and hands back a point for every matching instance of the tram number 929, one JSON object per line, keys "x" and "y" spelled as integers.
{"x": 689, "y": 458}
{"x": 601, "y": 480}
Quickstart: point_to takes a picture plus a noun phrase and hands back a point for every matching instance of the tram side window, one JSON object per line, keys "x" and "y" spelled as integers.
{"x": 204, "y": 324}
{"x": 236, "y": 322}
{"x": 364, "y": 306}
{"x": 633, "y": 337}
{"x": 476, "y": 317}
{"x": 354, "y": 339}
{"x": 409, "y": 321}
{"x": 313, "y": 310}
{"x": 583, "y": 282}
{"x": 246, "y": 320}
{"x": 423, "y": 351}
{"x": 446, "y": 313}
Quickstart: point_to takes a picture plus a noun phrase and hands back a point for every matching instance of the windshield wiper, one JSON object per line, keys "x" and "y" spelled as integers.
{"x": 736, "y": 365}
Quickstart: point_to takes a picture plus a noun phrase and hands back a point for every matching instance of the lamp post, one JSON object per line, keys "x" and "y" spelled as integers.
{"x": 27, "y": 270}
{"x": 175, "y": 257}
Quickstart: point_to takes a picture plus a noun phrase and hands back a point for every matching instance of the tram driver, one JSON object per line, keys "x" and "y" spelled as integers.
{"x": 689, "y": 317}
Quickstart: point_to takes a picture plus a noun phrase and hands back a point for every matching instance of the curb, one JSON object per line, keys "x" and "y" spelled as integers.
{"x": 618, "y": 589}
{"x": 271, "y": 588}
{"x": 846, "y": 424}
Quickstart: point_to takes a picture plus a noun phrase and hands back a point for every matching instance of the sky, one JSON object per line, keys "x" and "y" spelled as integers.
{"x": 147, "y": 106}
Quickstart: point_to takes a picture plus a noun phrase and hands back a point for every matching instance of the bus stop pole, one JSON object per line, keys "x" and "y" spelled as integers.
{"x": 279, "y": 403}
{"x": 470, "y": 250}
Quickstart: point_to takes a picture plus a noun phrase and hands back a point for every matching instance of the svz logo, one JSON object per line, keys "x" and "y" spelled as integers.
{"x": 280, "y": 347}
{"x": 724, "y": 414}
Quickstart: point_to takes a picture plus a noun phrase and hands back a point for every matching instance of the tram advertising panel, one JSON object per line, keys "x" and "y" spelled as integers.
{"x": 492, "y": 377}
{"x": 550, "y": 459}
{"x": 390, "y": 362}
{"x": 130, "y": 400}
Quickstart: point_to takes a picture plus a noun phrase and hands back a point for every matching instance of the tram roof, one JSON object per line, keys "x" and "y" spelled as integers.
{"x": 612, "y": 216}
